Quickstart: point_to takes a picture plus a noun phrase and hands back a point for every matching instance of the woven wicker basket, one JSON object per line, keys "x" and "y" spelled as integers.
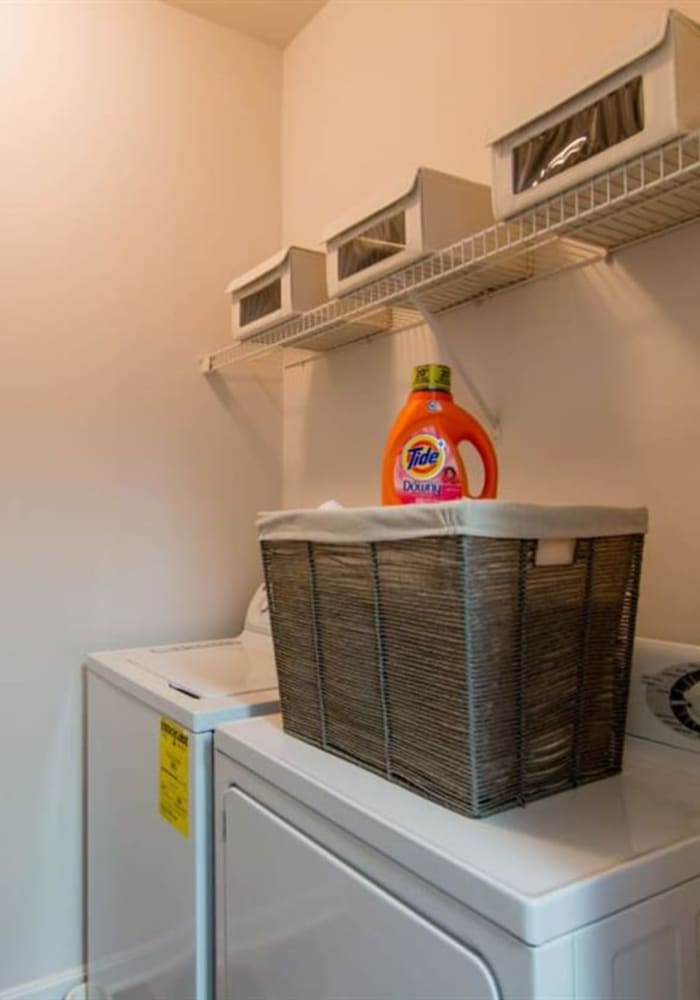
{"x": 448, "y": 648}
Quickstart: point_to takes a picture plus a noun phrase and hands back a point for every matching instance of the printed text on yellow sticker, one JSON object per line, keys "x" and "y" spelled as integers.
{"x": 174, "y": 788}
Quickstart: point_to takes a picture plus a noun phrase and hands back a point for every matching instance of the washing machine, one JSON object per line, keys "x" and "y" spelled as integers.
{"x": 150, "y": 846}
{"x": 333, "y": 884}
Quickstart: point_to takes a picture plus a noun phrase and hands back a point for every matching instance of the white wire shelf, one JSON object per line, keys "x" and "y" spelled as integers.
{"x": 644, "y": 197}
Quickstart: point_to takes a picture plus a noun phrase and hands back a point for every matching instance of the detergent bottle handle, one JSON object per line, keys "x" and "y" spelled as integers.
{"x": 475, "y": 434}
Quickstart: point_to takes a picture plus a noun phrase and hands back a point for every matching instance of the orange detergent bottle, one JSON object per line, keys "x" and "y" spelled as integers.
{"x": 421, "y": 460}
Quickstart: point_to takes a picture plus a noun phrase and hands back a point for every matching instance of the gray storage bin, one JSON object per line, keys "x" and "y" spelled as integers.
{"x": 413, "y": 218}
{"x": 635, "y": 99}
{"x": 277, "y": 291}
{"x": 476, "y": 652}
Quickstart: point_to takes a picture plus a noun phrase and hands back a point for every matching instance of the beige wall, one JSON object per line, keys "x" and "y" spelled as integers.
{"x": 594, "y": 374}
{"x": 139, "y": 172}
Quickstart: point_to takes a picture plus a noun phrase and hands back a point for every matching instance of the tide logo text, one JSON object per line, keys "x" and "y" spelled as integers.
{"x": 423, "y": 456}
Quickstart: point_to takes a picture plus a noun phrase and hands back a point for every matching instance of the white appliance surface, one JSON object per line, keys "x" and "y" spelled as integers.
{"x": 319, "y": 930}
{"x": 212, "y": 669}
{"x": 257, "y": 618}
{"x": 593, "y": 893}
{"x": 201, "y": 684}
{"x": 241, "y": 666}
{"x": 150, "y": 892}
{"x": 538, "y": 871}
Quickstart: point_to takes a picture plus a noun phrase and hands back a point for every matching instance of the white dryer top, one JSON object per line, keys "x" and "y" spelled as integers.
{"x": 539, "y": 872}
{"x": 198, "y": 684}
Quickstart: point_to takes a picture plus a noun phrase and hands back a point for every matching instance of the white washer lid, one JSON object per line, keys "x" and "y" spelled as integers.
{"x": 539, "y": 872}
{"x": 199, "y": 684}
{"x": 212, "y": 669}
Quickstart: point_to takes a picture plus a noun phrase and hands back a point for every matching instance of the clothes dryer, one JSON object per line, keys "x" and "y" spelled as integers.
{"x": 334, "y": 884}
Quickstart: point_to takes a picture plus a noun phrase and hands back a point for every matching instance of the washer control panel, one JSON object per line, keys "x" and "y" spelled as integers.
{"x": 664, "y": 701}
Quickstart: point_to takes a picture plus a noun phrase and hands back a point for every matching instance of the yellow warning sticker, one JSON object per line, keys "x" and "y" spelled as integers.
{"x": 174, "y": 784}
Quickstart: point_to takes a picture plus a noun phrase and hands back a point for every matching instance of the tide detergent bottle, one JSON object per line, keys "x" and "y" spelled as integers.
{"x": 421, "y": 460}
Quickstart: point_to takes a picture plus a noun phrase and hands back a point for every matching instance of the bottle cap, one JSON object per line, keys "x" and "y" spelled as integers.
{"x": 435, "y": 378}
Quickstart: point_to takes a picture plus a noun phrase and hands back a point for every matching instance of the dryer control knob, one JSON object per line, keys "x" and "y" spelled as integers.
{"x": 673, "y": 695}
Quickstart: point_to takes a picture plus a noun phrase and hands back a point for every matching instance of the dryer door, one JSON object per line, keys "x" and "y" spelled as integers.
{"x": 302, "y": 925}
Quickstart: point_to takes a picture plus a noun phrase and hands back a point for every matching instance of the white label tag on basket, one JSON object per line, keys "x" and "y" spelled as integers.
{"x": 555, "y": 551}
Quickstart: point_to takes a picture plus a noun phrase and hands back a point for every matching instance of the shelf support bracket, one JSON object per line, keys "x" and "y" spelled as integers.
{"x": 486, "y": 414}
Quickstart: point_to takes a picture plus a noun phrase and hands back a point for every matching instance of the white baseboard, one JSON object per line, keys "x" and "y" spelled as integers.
{"x": 49, "y": 988}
